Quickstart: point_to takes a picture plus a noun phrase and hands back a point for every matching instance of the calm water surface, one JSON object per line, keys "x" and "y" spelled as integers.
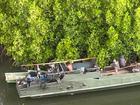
{"x": 125, "y": 96}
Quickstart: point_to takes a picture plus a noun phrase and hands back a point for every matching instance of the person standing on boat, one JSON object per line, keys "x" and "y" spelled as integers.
{"x": 28, "y": 80}
{"x": 69, "y": 66}
{"x": 43, "y": 80}
{"x": 122, "y": 61}
{"x": 116, "y": 66}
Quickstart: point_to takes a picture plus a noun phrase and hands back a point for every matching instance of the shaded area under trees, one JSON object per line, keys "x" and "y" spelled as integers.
{"x": 42, "y": 30}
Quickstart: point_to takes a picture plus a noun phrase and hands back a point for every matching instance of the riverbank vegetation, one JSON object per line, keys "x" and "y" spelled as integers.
{"x": 42, "y": 30}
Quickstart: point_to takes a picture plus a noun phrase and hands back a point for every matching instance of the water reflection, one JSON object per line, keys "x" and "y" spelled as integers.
{"x": 1, "y": 101}
{"x": 125, "y": 96}
{"x": 2, "y": 95}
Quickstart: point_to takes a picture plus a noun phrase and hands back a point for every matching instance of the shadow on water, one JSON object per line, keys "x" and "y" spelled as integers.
{"x": 125, "y": 96}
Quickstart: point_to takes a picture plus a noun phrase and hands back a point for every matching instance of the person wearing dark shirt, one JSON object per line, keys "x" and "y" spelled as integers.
{"x": 122, "y": 61}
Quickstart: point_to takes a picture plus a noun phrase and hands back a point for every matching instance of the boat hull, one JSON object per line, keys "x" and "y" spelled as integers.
{"x": 81, "y": 83}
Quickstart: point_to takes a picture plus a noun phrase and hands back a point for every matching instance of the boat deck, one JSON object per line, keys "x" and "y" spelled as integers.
{"x": 80, "y": 83}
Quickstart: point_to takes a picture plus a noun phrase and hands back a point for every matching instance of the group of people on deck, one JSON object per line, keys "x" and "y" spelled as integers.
{"x": 53, "y": 73}
{"x": 118, "y": 64}
{"x": 69, "y": 65}
{"x": 50, "y": 70}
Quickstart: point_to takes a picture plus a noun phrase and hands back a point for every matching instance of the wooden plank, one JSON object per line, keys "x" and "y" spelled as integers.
{"x": 133, "y": 65}
{"x": 108, "y": 68}
{"x": 59, "y": 62}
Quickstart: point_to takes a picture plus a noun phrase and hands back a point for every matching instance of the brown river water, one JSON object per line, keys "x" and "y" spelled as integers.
{"x": 124, "y": 96}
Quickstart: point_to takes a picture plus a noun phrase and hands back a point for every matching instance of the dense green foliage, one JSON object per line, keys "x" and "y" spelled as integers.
{"x": 41, "y": 30}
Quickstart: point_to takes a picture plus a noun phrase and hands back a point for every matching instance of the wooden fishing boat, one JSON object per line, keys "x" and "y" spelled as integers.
{"x": 84, "y": 77}
{"x": 84, "y": 82}
{"x": 78, "y": 64}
